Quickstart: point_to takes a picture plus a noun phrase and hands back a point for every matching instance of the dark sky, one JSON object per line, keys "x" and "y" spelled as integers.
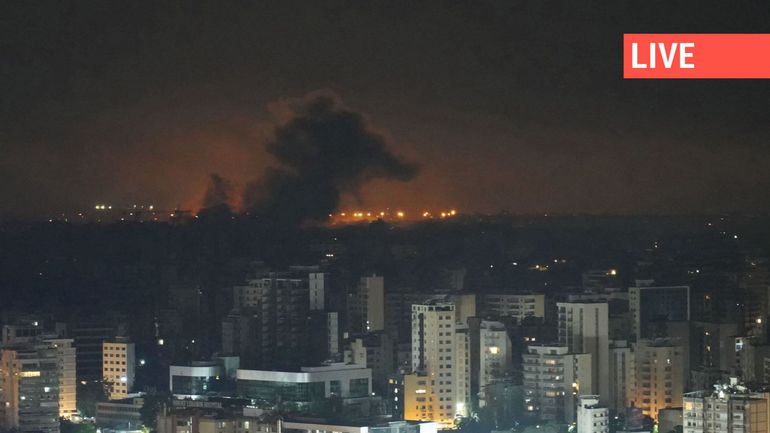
{"x": 508, "y": 105}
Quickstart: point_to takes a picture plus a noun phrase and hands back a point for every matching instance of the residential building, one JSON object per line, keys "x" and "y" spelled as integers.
{"x": 553, "y": 379}
{"x": 269, "y": 326}
{"x": 648, "y": 304}
{"x": 622, "y": 373}
{"x": 89, "y": 337}
{"x": 439, "y": 387}
{"x": 660, "y": 376}
{"x": 212, "y": 418}
{"x": 729, "y": 408}
{"x": 118, "y": 367}
{"x": 591, "y": 416}
{"x": 494, "y": 354}
{"x": 584, "y": 328}
{"x": 513, "y": 305}
{"x": 29, "y": 388}
{"x": 66, "y": 356}
{"x": 374, "y": 351}
{"x": 366, "y": 305}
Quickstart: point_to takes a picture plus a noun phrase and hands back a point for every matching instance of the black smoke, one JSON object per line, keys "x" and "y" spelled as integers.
{"x": 218, "y": 191}
{"x": 324, "y": 151}
{"x": 216, "y": 200}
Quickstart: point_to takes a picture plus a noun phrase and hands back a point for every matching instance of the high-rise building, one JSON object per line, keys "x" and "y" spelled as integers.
{"x": 462, "y": 372}
{"x": 591, "y": 416}
{"x": 319, "y": 287}
{"x": 750, "y": 360}
{"x": 239, "y": 335}
{"x": 553, "y": 379}
{"x": 333, "y": 335}
{"x": 517, "y": 306}
{"x": 494, "y": 355}
{"x": 621, "y": 374}
{"x": 279, "y": 333}
{"x": 465, "y": 306}
{"x": 394, "y": 398}
{"x": 659, "y": 377}
{"x": 584, "y": 328}
{"x": 366, "y": 305}
{"x": 66, "y": 355}
{"x": 374, "y": 351}
{"x": 598, "y": 280}
{"x": 22, "y": 332}
{"x": 118, "y": 364}
{"x": 649, "y": 304}
{"x": 29, "y": 388}
{"x": 438, "y": 389}
{"x": 398, "y": 314}
{"x": 754, "y": 283}
{"x": 88, "y": 337}
{"x": 714, "y": 345}
{"x": 729, "y": 408}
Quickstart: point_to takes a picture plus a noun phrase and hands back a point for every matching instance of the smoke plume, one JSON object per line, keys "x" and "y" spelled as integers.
{"x": 324, "y": 150}
{"x": 217, "y": 192}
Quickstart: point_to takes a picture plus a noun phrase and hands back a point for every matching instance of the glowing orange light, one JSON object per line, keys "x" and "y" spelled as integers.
{"x": 400, "y": 214}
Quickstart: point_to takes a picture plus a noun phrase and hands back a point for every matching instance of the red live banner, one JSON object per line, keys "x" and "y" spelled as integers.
{"x": 696, "y": 55}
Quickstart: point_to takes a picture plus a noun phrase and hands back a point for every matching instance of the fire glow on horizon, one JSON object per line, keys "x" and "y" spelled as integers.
{"x": 390, "y": 215}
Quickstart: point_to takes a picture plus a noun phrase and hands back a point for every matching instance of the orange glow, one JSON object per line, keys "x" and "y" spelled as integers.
{"x": 394, "y": 215}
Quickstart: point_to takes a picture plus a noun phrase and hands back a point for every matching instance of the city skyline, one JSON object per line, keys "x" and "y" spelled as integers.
{"x": 384, "y": 216}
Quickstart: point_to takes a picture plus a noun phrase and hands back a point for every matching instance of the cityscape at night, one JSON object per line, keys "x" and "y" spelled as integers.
{"x": 333, "y": 216}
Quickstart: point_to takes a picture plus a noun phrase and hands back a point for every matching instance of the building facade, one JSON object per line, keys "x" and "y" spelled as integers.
{"x": 495, "y": 355}
{"x": 66, "y": 355}
{"x": 308, "y": 385}
{"x": 553, "y": 379}
{"x": 439, "y": 387}
{"x": 659, "y": 377}
{"x": 649, "y": 304}
{"x": 29, "y": 393}
{"x": 591, "y": 416}
{"x": 517, "y": 306}
{"x": 118, "y": 366}
{"x": 729, "y": 408}
{"x": 584, "y": 328}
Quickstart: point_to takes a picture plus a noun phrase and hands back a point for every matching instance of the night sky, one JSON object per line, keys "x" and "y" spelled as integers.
{"x": 505, "y": 105}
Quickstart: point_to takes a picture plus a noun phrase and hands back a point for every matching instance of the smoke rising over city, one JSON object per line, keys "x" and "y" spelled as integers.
{"x": 324, "y": 151}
